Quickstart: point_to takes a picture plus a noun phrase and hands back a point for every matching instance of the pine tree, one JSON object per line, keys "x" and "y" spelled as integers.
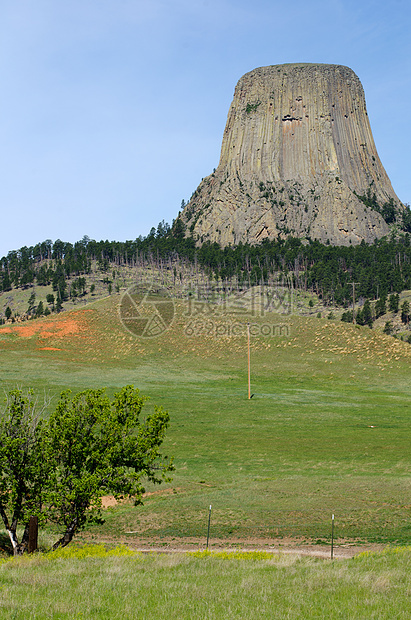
{"x": 388, "y": 328}
{"x": 6, "y": 282}
{"x": 380, "y": 307}
{"x": 405, "y": 312}
{"x": 394, "y": 302}
{"x": 366, "y": 313}
{"x": 40, "y": 309}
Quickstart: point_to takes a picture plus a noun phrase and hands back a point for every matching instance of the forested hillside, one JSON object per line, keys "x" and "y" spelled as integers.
{"x": 329, "y": 271}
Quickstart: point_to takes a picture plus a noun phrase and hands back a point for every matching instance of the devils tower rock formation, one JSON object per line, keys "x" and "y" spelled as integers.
{"x": 297, "y": 154}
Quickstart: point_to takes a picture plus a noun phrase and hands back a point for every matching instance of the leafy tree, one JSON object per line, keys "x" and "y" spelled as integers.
{"x": 50, "y": 298}
{"x": 24, "y": 466}
{"x": 102, "y": 447}
{"x": 58, "y": 469}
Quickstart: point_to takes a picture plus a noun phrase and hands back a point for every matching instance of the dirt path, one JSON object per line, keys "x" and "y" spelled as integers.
{"x": 342, "y": 549}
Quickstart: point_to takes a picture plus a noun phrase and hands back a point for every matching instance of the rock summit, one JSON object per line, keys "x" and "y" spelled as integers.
{"x": 297, "y": 159}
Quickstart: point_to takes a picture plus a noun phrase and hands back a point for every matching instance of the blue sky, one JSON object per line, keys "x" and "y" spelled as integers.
{"x": 111, "y": 112}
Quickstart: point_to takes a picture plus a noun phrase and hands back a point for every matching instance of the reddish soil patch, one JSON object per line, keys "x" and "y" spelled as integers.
{"x": 54, "y": 327}
{"x": 48, "y": 349}
{"x": 110, "y": 500}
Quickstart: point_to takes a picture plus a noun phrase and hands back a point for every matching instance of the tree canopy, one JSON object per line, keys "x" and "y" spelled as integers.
{"x": 380, "y": 269}
{"x": 57, "y": 469}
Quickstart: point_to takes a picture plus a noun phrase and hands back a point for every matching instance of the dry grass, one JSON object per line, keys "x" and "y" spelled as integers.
{"x": 180, "y": 586}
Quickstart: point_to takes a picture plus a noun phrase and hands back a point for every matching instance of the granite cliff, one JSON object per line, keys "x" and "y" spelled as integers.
{"x": 298, "y": 158}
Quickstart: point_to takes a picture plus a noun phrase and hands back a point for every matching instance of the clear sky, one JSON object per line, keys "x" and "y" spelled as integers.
{"x": 112, "y": 111}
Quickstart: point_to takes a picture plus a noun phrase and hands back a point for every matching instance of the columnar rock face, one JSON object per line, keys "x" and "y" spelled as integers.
{"x": 297, "y": 152}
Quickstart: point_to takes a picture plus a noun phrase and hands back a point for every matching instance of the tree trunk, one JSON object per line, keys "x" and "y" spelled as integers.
{"x": 14, "y": 541}
{"x": 18, "y": 548}
{"x": 67, "y": 536}
{"x": 11, "y": 532}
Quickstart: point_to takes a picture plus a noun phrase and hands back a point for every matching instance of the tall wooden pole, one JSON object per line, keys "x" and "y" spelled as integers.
{"x": 249, "y": 366}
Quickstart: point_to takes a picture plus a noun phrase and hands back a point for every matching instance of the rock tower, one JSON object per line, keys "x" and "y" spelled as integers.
{"x": 297, "y": 154}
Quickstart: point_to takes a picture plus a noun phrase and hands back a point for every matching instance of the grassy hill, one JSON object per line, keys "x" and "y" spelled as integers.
{"x": 327, "y": 430}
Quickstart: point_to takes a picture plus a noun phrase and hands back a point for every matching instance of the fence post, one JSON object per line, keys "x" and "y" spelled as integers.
{"x": 208, "y": 529}
{"x": 33, "y": 534}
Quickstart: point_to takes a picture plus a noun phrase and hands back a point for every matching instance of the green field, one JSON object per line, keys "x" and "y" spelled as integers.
{"x": 93, "y": 584}
{"x": 327, "y": 430}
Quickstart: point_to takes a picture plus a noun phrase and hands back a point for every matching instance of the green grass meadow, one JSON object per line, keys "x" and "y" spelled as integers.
{"x": 327, "y": 430}
{"x": 95, "y": 584}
